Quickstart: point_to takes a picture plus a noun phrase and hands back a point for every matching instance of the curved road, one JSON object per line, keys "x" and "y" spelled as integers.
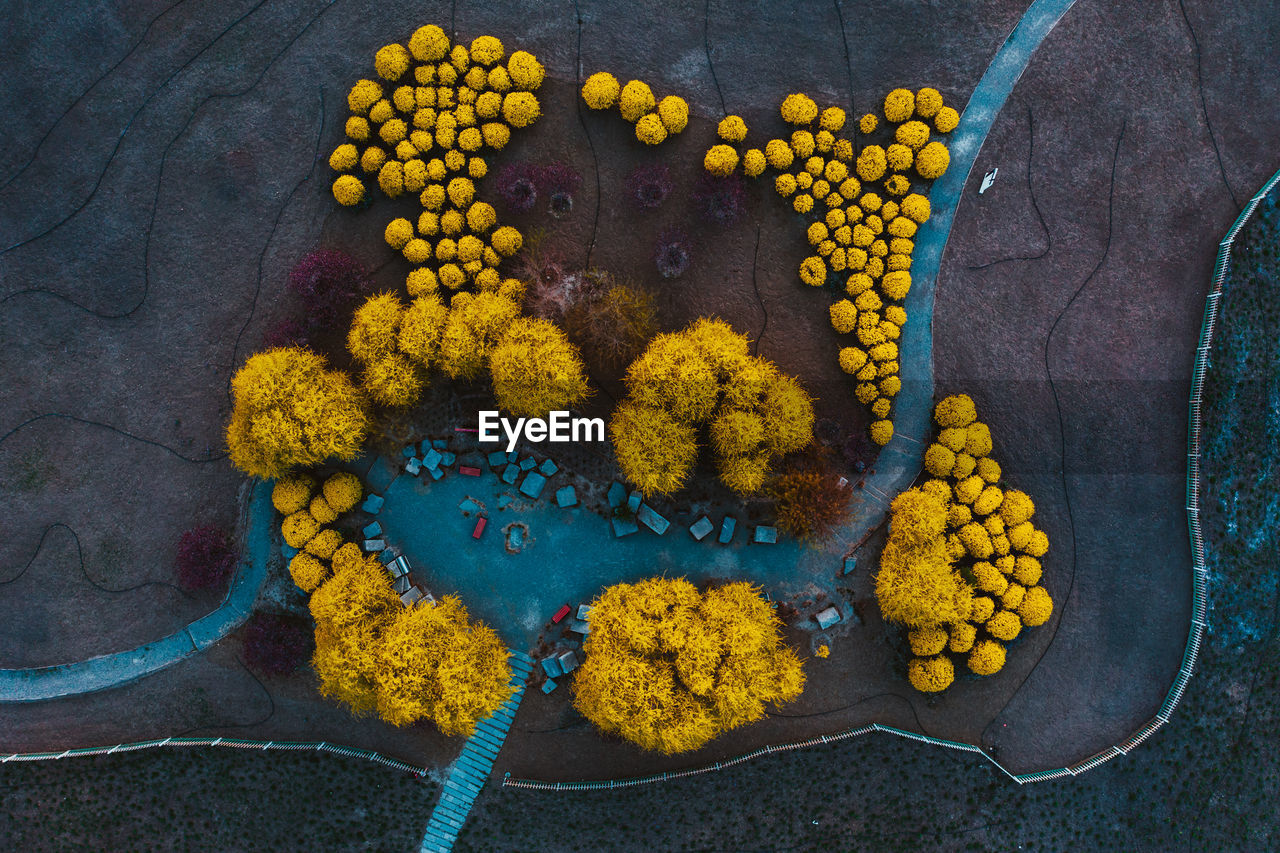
{"x": 87, "y": 676}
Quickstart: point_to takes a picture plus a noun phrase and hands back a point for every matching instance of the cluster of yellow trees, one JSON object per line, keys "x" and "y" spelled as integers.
{"x": 961, "y": 568}
{"x": 701, "y": 376}
{"x": 421, "y": 128}
{"x": 373, "y": 654}
{"x": 306, "y": 511}
{"x": 669, "y": 668}
{"x": 862, "y": 217}
{"x": 438, "y": 104}
{"x": 654, "y": 120}
{"x": 532, "y": 363}
{"x": 290, "y": 412}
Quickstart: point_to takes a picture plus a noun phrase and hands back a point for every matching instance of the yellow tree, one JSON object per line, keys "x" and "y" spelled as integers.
{"x": 675, "y": 374}
{"x": 705, "y": 374}
{"x": 670, "y": 668}
{"x": 655, "y": 451}
{"x": 536, "y": 370}
{"x": 352, "y": 609}
{"x": 290, "y": 411}
{"x": 917, "y": 583}
{"x": 375, "y": 328}
{"x": 475, "y": 325}
{"x": 421, "y": 327}
{"x": 435, "y": 662}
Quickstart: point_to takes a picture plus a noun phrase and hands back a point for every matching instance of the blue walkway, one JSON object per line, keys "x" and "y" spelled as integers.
{"x": 569, "y": 555}
{"x": 100, "y": 673}
{"x": 900, "y": 460}
{"x": 471, "y": 770}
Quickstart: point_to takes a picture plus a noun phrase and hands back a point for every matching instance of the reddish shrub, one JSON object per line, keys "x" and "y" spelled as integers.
{"x": 810, "y": 502}
{"x": 673, "y": 254}
{"x": 276, "y": 643}
{"x": 557, "y": 178}
{"x": 558, "y": 182}
{"x": 648, "y": 186}
{"x": 206, "y": 557}
{"x": 517, "y": 187}
{"x": 328, "y": 283}
{"x": 721, "y": 201}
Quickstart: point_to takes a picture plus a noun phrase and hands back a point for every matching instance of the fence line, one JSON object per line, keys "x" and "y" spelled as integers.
{"x": 234, "y": 743}
{"x": 1199, "y": 584}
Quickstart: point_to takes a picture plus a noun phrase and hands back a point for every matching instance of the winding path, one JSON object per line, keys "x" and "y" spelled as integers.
{"x": 901, "y": 458}
{"x": 41, "y": 683}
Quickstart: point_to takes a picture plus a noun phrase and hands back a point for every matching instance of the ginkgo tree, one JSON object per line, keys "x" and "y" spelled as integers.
{"x": 405, "y": 664}
{"x": 291, "y": 411}
{"x": 669, "y": 667}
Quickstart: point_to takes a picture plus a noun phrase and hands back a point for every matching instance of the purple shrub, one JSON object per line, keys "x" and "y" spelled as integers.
{"x": 557, "y": 178}
{"x": 721, "y": 201}
{"x": 206, "y": 557}
{"x": 328, "y": 282}
{"x": 673, "y": 254}
{"x": 648, "y": 186}
{"x": 558, "y": 182}
{"x": 286, "y": 332}
{"x": 518, "y": 187}
{"x": 276, "y": 643}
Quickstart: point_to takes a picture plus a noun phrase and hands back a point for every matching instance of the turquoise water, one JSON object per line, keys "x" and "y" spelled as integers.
{"x": 570, "y": 554}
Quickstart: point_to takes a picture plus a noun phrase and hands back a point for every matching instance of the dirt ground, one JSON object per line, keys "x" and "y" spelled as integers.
{"x": 147, "y": 226}
{"x": 1072, "y": 316}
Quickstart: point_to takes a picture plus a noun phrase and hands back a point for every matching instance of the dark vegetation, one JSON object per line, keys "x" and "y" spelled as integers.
{"x": 211, "y": 799}
{"x": 325, "y": 287}
{"x": 812, "y": 499}
{"x": 277, "y": 643}
{"x": 206, "y": 557}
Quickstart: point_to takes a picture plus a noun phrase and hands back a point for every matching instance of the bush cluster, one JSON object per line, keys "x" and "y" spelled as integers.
{"x": 860, "y": 214}
{"x": 704, "y": 377}
{"x": 533, "y": 366}
{"x": 421, "y": 129}
{"x": 306, "y": 511}
{"x": 669, "y": 667}
{"x": 962, "y": 566}
{"x": 654, "y": 120}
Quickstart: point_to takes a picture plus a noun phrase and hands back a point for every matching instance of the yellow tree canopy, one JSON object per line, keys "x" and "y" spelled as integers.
{"x": 290, "y": 411}
{"x": 435, "y": 662}
{"x": 917, "y": 583}
{"x": 536, "y": 370}
{"x": 358, "y": 595}
{"x": 473, "y": 328}
{"x": 675, "y": 374}
{"x": 670, "y": 668}
{"x": 345, "y": 661}
{"x": 656, "y": 451}
{"x": 352, "y": 609}
{"x": 705, "y": 375}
